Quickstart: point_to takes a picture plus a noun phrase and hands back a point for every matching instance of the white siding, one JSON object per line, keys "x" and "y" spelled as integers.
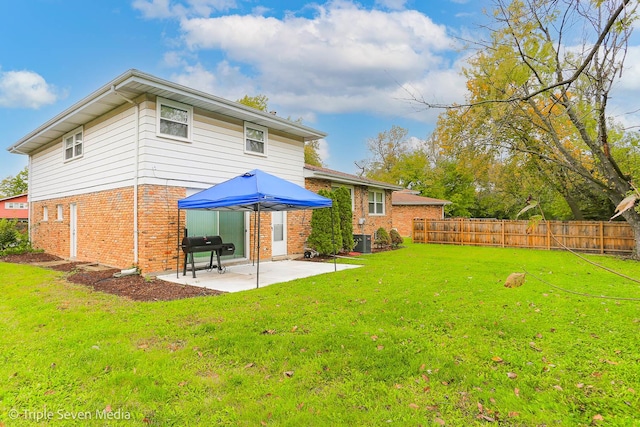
{"x": 107, "y": 162}
{"x": 215, "y": 154}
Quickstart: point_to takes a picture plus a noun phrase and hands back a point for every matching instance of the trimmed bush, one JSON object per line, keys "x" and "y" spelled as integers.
{"x": 343, "y": 199}
{"x": 396, "y": 238}
{"x": 322, "y": 239}
{"x": 382, "y": 238}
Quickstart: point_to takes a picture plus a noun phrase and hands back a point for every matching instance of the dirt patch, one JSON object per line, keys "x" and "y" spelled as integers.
{"x": 134, "y": 287}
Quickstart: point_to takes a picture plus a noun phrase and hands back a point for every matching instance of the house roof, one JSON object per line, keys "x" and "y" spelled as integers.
{"x": 134, "y": 83}
{"x": 345, "y": 178}
{"x": 410, "y": 197}
{"x": 2, "y": 199}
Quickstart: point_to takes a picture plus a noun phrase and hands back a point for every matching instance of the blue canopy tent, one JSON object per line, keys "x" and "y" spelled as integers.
{"x": 254, "y": 191}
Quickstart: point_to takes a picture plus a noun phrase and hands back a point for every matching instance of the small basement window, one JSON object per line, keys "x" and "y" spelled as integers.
{"x": 174, "y": 120}
{"x": 255, "y": 138}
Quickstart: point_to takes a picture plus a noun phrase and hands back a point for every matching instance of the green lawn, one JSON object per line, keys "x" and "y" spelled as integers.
{"x": 425, "y": 335}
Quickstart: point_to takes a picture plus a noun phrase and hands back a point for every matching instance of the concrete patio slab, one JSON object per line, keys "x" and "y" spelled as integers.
{"x": 242, "y": 277}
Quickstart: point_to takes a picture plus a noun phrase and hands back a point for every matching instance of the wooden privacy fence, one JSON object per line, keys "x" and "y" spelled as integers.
{"x": 615, "y": 237}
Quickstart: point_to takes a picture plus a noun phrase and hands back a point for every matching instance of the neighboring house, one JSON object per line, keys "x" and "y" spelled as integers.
{"x": 105, "y": 175}
{"x": 371, "y": 200}
{"x": 407, "y": 205}
{"x": 15, "y": 207}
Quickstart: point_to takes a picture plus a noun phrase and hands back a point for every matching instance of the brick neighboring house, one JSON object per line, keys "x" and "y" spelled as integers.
{"x": 15, "y": 207}
{"x": 105, "y": 175}
{"x": 371, "y": 200}
{"x": 407, "y": 205}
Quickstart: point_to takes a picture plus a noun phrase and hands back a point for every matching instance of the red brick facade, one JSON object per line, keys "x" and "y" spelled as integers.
{"x": 403, "y": 216}
{"x": 105, "y": 228}
{"x": 361, "y": 207}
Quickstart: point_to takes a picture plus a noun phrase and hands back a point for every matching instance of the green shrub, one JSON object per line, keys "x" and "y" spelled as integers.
{"x": 382, "y": 238}
{"x": 396, "y": 238}
{"x": 343, "y": 199}
{"x": 8, "y": 234}
{"x": 12, "y": 241}
{"x": 322, "y": 239}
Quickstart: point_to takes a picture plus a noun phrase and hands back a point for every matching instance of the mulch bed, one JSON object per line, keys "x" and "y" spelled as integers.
{"x": 134, "y": 287}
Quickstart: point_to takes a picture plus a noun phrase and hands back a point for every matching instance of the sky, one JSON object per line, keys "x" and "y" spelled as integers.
{"x": 347, "y": 68}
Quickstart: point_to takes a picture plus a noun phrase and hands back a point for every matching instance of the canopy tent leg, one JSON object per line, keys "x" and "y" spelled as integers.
{"x": 333, "y": 240}
{"x": 178, "y": 248}
{"x": 258, "y": 237}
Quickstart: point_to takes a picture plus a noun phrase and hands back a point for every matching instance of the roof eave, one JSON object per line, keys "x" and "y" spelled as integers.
{"x": 79, "y": 113}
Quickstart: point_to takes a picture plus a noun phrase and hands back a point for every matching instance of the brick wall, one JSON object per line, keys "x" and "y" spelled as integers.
{"x": 403, "y": 216}
{"x": 361, "y": 207}
{"x": 158, "y": 227}
{"x": 104, "y": 227}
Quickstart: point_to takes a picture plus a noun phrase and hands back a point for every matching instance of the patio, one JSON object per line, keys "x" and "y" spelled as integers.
{"x": 242, "y": 277}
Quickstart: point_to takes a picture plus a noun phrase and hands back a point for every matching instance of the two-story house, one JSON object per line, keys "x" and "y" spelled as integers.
{"x": 105, "y": 175}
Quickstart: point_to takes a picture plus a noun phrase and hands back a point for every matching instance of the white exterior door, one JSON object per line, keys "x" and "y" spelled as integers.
{"x": 73, "y": 230}
{"x": 279, "y": 233}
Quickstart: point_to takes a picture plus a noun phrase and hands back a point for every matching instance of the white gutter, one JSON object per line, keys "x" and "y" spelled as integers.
{"x": 136, "y": 171}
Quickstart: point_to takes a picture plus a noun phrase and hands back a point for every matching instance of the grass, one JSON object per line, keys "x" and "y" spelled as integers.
{"x": 426, "y": 335}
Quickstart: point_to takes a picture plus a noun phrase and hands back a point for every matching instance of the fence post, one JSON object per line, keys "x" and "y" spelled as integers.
{"x": 502, "y": 232}
{"x": 601, "y": 237}
{"x": 426, "y": 230}
{"x": 548, "y": 224}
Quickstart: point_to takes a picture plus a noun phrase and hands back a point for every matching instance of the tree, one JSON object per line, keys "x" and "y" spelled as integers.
{"x": 259, "y": 102}
{"x": 386, "y": 151}
{"x": 312, "y": 153}
{"x": 345, "y": 214}
{"x": 14, "y": 185}
{"x": 325, "y": 236}
{"x": 532, "y": 96}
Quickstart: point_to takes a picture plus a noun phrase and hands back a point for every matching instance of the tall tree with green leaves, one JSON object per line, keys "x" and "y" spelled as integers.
{"x": 535, "y": 97}
{"x": 326, "y": 236}
{"x": 14, "y": 185}
{"x": 345, "y": 215}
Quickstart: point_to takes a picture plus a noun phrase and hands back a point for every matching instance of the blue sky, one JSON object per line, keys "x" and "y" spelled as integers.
{"x": 344, "y": 67}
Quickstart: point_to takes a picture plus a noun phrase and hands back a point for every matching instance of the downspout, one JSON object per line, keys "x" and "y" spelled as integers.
{"x": 29, "y": 174}
{"x": 136, "y": 169}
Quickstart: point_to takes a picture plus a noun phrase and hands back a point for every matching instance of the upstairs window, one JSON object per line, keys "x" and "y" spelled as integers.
{"x": 255, "y": 138}
{"x": 174, "y": 120}
{"x": 73, "y": 145}
{"x": 376, "y": 203}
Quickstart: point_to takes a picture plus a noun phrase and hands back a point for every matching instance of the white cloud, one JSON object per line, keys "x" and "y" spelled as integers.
{"x": 344, "y": 58}
{"x": 323, "y": 150}
{"x": 335, "y": 57}
{"x": 25, "y": 89}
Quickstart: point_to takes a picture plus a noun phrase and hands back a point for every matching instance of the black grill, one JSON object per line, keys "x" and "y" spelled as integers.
{"x": 198, "y": 244}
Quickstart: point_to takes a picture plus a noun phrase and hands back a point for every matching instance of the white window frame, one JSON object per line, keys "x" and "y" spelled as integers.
{"x": 178, "y": 106}
{"x": 45, "y": 213}
{"x": 376, "y": 202}
{"x": 60, "y": 215}
{"x": 265, "y": 143}
{"x": 75, "y": 143}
